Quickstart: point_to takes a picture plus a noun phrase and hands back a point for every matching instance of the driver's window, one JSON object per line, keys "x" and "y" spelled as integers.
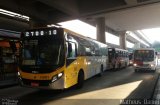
{"x": 71, "y": 50}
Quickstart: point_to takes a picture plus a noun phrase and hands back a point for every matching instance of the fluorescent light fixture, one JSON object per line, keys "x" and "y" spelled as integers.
{"x": 13, "y": 14}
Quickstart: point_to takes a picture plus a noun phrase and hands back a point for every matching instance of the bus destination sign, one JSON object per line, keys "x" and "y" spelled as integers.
{"x": 42, "y": 32}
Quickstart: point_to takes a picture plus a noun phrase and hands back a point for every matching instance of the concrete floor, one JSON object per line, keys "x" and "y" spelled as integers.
{"x": 110, "y": 89}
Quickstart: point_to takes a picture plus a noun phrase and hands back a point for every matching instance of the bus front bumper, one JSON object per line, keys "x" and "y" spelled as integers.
{"x": 145, "y": 68}
{"x": 43, "y": 84}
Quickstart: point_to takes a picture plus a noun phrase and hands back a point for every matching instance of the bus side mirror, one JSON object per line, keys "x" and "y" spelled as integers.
{"x": 13, "y": 46}
{"x": 69, "y": 50}
{"x": 69, "y": 47}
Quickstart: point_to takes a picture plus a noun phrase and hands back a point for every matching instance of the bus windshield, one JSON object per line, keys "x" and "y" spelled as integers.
{"x": 144, "y": 55}
{"x": 42, "y": 51}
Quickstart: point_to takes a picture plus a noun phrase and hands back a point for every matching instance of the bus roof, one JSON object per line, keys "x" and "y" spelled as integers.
{"x": 118, "y": 49}
{"x": 145, "y": 49}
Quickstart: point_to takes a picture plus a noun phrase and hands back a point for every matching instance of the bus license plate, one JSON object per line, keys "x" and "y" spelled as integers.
{"x": 35, "y": 84}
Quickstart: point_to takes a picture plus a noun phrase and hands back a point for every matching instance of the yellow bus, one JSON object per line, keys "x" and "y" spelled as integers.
{"x": 56, "y": 58}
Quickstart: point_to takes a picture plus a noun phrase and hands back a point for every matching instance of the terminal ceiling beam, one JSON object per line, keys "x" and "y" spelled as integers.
{"x": 70, "y": 7}
{"x": 43, "y": 12}
{"x": 137, "y": 45}
{"x": 10, "y": 23}
{"x": 24, "y": 8}
{"x": 37, "y": 11}
{"x": 53, "y": 11}
{"x": 131, "y": 2}
{"x": 90, "y": 7}
{"x": 142, "y": 37}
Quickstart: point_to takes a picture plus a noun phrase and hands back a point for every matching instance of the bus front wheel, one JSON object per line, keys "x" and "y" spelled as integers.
{"x": 80, "y": 80}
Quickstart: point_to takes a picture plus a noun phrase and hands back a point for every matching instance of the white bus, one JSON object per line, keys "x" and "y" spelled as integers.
{"x": 117, "y": 58}
{"x": 145, "y": 59}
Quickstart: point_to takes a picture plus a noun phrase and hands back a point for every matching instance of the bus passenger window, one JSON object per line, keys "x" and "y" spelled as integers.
{"x": 88, "y": 51}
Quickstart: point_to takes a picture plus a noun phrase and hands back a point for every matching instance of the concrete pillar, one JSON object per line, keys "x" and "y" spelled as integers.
{"x": 100, "y": 25}
{"x": 137, "y": 45}
{"x": 122, "y": 39}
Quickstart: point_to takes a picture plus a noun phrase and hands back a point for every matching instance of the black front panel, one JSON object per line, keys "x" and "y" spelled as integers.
{"x": 42, "y": 50}
{"x": 39, "y": 82}
{"x": 38, "y": 69}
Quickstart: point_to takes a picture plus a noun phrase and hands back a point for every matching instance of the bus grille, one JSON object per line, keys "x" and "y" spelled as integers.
{"x": 145, "y": 65}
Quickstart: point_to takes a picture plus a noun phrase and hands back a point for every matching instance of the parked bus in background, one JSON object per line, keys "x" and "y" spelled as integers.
{"x": 145, "y": 59}
{"x": 8, "y": 60}
{"x": 57, "y": 58}
{"x": 130, "y": 58}
{"x": 117, "y": 58}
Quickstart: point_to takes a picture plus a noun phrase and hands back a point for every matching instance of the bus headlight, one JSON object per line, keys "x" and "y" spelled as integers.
{"x": 18, "y": 73}
{"x": 60, "y": 75}
{"x": 56, "y": 77}
{"x": 152, "y": 65}
{"x": 134, "y": 64}
{"x": 19, "y": 76}
{"x": 131, "y": 62}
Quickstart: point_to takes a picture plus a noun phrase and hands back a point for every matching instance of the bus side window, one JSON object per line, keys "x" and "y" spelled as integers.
{"x": 88, "y": 51}
{"x": 71, "y": 51}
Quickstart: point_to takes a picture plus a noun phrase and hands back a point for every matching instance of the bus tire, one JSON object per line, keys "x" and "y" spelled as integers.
{"x": 101, "y": 71}
{"x": 80, "y": 80}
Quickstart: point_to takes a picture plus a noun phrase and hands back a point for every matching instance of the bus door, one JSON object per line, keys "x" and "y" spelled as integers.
{"x": 71, "y": 63}
{"x": 111, "y": 57}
